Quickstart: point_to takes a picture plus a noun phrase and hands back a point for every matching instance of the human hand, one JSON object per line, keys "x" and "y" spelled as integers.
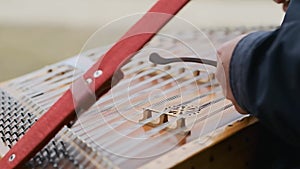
{"x": 222, "y": 74}
{"x": 285, "y": 3}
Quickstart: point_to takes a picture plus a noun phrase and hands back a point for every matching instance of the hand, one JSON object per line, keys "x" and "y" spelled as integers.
{"x": 222, "y": 73}
{"x": 285, "y": 3}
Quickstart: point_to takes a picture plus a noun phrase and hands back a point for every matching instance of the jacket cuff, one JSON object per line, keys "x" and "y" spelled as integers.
{"x": 238, "y": 68}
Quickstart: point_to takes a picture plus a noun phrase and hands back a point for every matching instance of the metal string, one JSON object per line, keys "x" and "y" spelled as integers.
{"x": 114, "y": 114}
{"x": 141, "y": 93}
{"x": 162, "y": 138}
{"x": 111, "y": 140}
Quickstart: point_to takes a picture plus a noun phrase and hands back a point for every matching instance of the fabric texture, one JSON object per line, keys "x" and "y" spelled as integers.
{"x": 265, "y": 81}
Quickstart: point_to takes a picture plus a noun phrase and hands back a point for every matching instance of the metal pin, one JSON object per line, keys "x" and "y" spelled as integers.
{"x": 89, "y": 80}
{"x": 12, "y": 157}
{"x": 98, "y": 73}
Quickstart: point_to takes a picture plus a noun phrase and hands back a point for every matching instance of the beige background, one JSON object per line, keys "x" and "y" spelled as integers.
{"x": 34, "y": 33}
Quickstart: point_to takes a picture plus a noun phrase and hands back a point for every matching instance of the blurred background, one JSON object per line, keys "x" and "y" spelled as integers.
{"x": 35, "y": 33}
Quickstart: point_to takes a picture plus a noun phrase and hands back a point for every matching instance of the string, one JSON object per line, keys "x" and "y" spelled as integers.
{"x": 148, "y": 134}
{"x": 114, "y": 114}
{"x": 162, "y": 138}
{"x": 106, "y": 108}
{"x": 108, "y": 130}
{"x": 128, "y": 132}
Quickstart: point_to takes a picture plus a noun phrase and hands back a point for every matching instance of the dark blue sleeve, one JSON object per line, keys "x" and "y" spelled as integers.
{"x": 265, "y": 76}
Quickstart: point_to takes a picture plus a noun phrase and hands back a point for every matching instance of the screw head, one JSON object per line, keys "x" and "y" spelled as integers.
{"x": 98, "y": 73}
{"x": 12, "y": 157}
{"x": 89, "y": 80}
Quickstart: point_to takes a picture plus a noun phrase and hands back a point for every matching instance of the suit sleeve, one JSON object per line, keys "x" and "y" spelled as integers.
{"x": 265, "y": 76}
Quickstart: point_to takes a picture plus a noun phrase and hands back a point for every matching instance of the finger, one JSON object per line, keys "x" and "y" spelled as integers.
{"x": 219, "y": 69}
{"x": 220, "y": 76}
{"x": 286, "y": 5}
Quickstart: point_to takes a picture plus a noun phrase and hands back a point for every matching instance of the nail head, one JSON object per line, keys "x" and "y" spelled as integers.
{"x": 89, "y": 80}
{"x": 98, "y": 73}
{"x": 12, "y": 157}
